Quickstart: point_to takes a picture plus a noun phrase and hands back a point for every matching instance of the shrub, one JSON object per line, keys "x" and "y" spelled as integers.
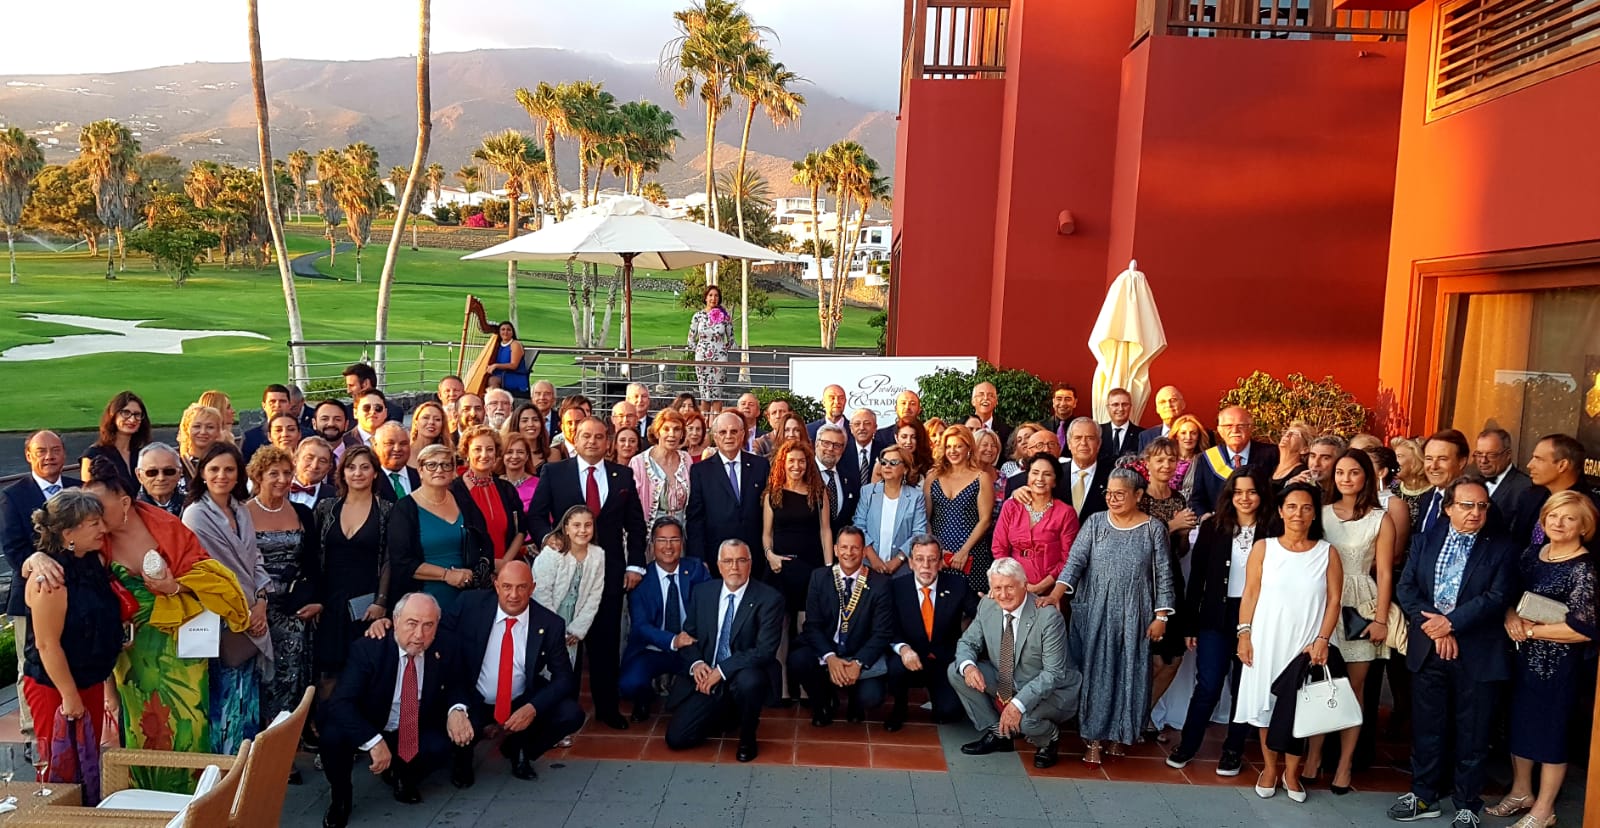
{"x": 497, "y": 211}
{"x": 8, "y": 655}
{"x": 444, "y": 214}
{"x": 325, "y": 389}
{"x": 880, "y": 320}
{"x": 476, "y": 220}
{"x": 1274, "y": 404}
{"x": 809, "y": 408}
{"x": 947, "y": 393}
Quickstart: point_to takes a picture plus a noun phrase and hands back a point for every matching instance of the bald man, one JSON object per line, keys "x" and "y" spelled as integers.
{"x": 1170, "y": 405}
{"x": 833, "y": 403}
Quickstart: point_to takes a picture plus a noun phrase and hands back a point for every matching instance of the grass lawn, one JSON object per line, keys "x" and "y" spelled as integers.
{"x": 427, "y": 304}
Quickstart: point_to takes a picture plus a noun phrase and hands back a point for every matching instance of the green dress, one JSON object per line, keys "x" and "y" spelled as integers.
{"x": 165, "y": 699}
{"x": 441, "y": 546}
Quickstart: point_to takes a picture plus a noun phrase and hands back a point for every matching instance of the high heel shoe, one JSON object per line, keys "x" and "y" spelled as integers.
{"x": 1265, "y": 793}
{"x": 1510, "y": 806}
{"x": 1091, "y": 754}
{"x": 1294, "y": 795}
{"x": 1531, "y": 821}
{"x": 1337, "y": 789}
{"x": 1117, "y": 751}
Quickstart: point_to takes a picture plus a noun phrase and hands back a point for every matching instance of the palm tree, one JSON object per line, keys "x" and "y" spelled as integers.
{"x": 514, "y": 155}
{"x": 434, "y": 176}
{"x": 357, "y": 188}
{"x": 299, "y": 166}
{"x": 811, "y": 173}
{"x": 110, "y": 150}
{"x": 409, "y": 196}
{"x": 649, "y": 136}
{"x": 269, "y": 191}
{"x": 592, "y": 120}
{"x": 469, "y": 178}
{"x": 398, "y": 178}
{"x": 653, "y": 192}
{"x": 550, "y": 108}
{"x": 20, "y": 161}
{"x": 851, "y": 175}
{"x": 763, "y": 83}
{"x": 328, "y": 163}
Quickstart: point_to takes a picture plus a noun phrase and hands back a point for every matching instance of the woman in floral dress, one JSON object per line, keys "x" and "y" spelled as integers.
{"x": 710, "y": 337}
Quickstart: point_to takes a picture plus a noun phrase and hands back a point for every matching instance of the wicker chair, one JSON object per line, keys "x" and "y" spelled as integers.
{"x": 209, "y": 809}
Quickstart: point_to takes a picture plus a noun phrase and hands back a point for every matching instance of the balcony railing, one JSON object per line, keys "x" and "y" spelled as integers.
{"x": 954, "y": 39}
{"x": 1265, "y": 19}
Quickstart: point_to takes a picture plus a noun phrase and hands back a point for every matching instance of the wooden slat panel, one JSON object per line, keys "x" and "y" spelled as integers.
{"x": 1485, "y": 49}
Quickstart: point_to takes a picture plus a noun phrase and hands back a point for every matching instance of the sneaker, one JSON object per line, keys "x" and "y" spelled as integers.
{"x": 1408, "y": 808}
{"x": 1230, "y": 764}
{"x": 1465, "y": 819}
{"x": 1180, "y": 758}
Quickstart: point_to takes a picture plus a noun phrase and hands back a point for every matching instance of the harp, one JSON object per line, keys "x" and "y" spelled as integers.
{"x": 480, "y": 336}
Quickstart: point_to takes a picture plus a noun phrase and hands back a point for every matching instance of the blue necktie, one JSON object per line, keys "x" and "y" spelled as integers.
{"x": 733, "y": 478}
{"x": 673, "y": 621}
{"x": 724, "y": 648}
{"x": 1432, "y": 513}
{"x": 52, "y": 490}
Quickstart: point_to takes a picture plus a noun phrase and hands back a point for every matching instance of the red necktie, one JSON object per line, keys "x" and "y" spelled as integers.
{"x": 591, "y": 494}
{"x": 502, "y": 691}
{"x": 408, "y": 711}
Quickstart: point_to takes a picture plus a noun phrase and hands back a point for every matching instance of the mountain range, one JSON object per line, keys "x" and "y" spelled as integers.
{"x": 206, "y": 111}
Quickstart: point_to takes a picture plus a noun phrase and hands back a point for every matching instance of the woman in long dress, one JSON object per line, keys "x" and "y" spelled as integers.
{"x": 1119, "y": 574}
{"x": 1290, "y": 606}
{"x": 1357, "y": 525}
{"x": 354, "y": 530}
{"x": 710, "y": 338}
{"x": 960, "y": 503}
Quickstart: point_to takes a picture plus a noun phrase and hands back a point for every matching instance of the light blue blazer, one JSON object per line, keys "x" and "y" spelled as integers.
{"x": 910, "y": 520}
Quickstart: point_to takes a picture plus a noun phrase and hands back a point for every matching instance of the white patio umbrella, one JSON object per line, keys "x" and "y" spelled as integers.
{"x": 624, "y": 232}
{"x": 1127, "y": 337}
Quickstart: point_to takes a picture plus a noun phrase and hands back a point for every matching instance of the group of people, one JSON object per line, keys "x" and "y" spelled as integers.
{"x": 443, "y": 582}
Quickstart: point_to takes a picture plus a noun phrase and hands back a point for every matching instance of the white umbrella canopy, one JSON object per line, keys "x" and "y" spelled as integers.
{"x": 1126, "y": 338}
{"x": 625, "y": 232}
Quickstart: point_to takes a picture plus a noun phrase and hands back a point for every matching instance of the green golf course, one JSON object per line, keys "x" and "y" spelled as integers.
{"x": 70, "y": 392}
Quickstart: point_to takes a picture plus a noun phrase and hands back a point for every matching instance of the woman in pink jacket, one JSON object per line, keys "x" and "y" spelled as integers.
{"x": 1035, "y": 528}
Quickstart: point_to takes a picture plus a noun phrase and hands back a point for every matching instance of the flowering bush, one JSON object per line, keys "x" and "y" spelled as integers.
{"x": 1274, "y": 404}
{"x": 475, "y": 220}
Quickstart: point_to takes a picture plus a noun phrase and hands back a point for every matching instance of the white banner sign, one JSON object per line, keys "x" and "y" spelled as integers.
{"x": 869, "y": 382}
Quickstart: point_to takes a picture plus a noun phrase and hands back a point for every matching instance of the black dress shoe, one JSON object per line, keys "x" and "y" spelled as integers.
{"x": 338, "y": 815}
{"x": 405, "y": 791}
{"x": 895, "y": 721}
{"x": 1046, "y": 756}
{"x": 294, "y": 776}
{"x": 989, "y": 742}
{"x": 462, "y": 775}
{"x": 821, "y": 714}
{"x": 641, "y": 713}
{"x": 615, "y": 721}
{"x": 747, "y": 751}
{"x": 853, "y": 714}
{"x": 522, "y": 768}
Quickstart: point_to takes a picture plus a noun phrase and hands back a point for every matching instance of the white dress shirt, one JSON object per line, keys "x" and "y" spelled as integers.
{"x": 849, "y": 584}
{"x": 393, "y": 722}
{"x": 837, "y": 490}
{"x": 489, "y": 674}
{"x": 683, "y": 607}
{"x": 1088, "y": 476}
{"x": 599, "y": 478}
{"x": 1009, "y": 618}
{"x": 366, "y": 437}
{"x": 404, "y": 487}
{"x": 738, "y": 470}
{"x": 933, "y": 591}
{"x": 44, "y": 485}
{"x": 722, "y": 612}
{"x": 863, "y": 458}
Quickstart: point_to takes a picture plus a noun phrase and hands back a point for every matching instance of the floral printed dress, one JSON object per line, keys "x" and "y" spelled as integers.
{"x": 165, "y": 699}
{"x": 710, "y": 337}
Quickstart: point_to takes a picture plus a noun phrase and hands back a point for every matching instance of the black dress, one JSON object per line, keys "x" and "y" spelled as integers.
{"x": 91, "y": 632}
{"x": 111, "y": 453}
{"x": 1171, "y": 647}
{"x": 797, "y": 533}
{"x": 351, "y": 566}
{"x": 1545, "y": 684}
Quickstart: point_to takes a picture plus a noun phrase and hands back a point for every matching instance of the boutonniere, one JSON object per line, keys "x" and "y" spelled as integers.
{"x": 944, "y": 593}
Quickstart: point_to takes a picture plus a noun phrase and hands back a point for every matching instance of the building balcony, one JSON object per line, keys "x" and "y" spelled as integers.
{"x": 954, "y": 39}
{"x": 1266, "y": 20}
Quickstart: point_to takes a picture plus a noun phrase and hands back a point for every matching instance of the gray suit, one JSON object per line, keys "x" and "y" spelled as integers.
{"x": 1047, "y": 685}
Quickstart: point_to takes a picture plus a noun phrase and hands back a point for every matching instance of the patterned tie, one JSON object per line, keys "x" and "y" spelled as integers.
{"x": 408, "y": 711}
{"x": 724, "y": 646}
{"x": 52, "y": 490}
{"x": 591, "y": 493}
{"x": 833, "y": 494}
{"x": 1238, "y": 460}
{"x": 844, "y": 597}
{"x": 1061, "y": 433}
{"x": 502, "y": 690}
{"x": 399, "y": 487}
{"x": 733, "y": 478}
{"x": 866, "y": 461}
{"x": 673, "y": 621}
{"x": 1006, "y": 688}
{"x": 927, "y": 611}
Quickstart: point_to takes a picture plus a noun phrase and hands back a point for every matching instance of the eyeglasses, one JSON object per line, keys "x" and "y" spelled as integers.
{"x": 833, "y": 444}
{"x": 890, "y": 463}
{"x": 1473, "y": 506}
{"x": 166, "y": 471}
{"x": 127, "y": 414}
{"x": 435, "y": 466}
{"x": 737, "y": 561}
{"x": 1488, "y": 455}
{"x": 668, "y": 541}
{"x": 1117, "y": 494}
{"x": 371, "y": 408}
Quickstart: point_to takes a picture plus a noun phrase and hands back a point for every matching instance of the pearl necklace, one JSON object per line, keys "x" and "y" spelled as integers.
{"x": 265, "y": 507}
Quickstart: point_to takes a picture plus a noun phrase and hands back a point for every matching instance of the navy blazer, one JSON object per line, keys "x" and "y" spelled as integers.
{"x": 383, "y": 487}
{"x": 359, "y": 707}
{"x": 647, "y": 604}
{"x": 849, "y": 492}
{"x": 714, "y": 515}
{"x": 753, "y": 642}
{"x": 884, "y": 438}
{"x": 619, "y": 528}
{"x": 871, "y": 626}
{"x": 17, "y": 540}
{"x": 470, "y": 626}
{"x": 1488, "y": 586}
{"x": 850, "y": 461}
{"x": 1130, "y": 440}
{"x": 1148, "y": 436}
{"x": 256, "y": 438}
{"x": 953, "y": 601}
{"x": 816, "y": 425}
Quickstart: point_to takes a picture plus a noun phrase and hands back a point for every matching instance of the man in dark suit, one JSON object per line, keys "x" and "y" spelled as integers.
{"x": 985, "y": 399}
{"x": 1082, "y": 481}
{"x": 313, "y": 472}
{"x": 861, "y": 450}
{"x": 1170, "y": 405}
{"x": 543, "y": 396}
{"x": 725, "y": 494}
{"x": 1063, "y": 409}
{"x": 844, "y": 489}
{"x": 639, "y": 397}
{"x": 907, "y": 406}
{"x": 777, "y": 411}
{"x": 658, "y": 609}
{"x": 46, "y": 456}
{"x": 394, "y": 480}
{"x": 1495, "y": 455}
{"x": 274, "y": 402}
{"x": 1556, "y": 465}
{"x": 305, "y": 414}
{"x": 609, "y": 490}
{"x": 833, "y": 402}
{"x": 849, "y": 626}
{"x": 736, "y": 624}
{"x": 1458, "y": 580}
{"x": 928, "y": 611}
{"x": 1044, "y": 442}
{"x": 1119, "y": 436}
{"x": 371, "y": 709}
{"x": 1235, "y": 429}
{"x": 506, "y": 645}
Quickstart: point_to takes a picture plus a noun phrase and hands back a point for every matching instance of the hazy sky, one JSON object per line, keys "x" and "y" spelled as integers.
{"x": 849, "y": 47}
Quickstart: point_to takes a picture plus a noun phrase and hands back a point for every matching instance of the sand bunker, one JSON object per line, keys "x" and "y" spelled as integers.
{"x": 124, "y": 336}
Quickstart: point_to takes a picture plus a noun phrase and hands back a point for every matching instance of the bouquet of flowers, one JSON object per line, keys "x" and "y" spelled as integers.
{"x": 718, "y": 316}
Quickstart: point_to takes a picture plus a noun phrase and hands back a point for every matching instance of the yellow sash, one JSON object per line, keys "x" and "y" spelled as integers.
{"x": 1219, "y": 465}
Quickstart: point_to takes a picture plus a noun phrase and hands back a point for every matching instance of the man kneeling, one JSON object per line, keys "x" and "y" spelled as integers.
{"x": 1014, "y": 655}
{"x": 849, "y": 626}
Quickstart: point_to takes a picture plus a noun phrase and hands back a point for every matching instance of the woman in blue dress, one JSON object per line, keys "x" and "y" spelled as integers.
{"x": 507, "y": 363}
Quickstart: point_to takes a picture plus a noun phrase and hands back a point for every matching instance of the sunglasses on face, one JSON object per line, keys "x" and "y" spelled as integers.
{"x": 890, "y": 463}
{"x": 167, "y": 471}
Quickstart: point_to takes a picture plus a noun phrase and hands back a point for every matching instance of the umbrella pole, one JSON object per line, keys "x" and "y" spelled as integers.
{"x": 627, "y": 304}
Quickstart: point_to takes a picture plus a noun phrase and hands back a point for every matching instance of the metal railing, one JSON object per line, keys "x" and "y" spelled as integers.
{"x": 1265, "y": 19}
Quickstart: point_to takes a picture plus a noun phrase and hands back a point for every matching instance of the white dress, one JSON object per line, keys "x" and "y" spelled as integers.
{"x": 1357, "y": 542}
{"x": 1288, "y": 617}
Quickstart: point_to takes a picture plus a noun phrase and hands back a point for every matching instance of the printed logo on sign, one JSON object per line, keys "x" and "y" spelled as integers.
{"x": 875, "y": 391}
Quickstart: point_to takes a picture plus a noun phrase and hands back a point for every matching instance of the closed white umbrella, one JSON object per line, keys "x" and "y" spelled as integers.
{"x": 1126, "y": 338}
{"x": 624, "y": 232}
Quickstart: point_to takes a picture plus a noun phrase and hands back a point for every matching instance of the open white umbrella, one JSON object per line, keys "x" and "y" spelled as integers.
{"x": 624, "y": 232}
{"x": 1127, "y": 337}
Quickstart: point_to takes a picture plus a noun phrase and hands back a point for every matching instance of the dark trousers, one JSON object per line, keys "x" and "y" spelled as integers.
{"x": 946, "y": 704}
{"x": 866, "y": 693}
{"x": 744, "y": 693}
{"x": 601, "y": 648}
{"x": 642, "y": 668}
{"x": 339, "y": 759}
{"x": 1214, "y": 662}
{"x": 549, "y": 727}
{"x": 1451, "y": 712}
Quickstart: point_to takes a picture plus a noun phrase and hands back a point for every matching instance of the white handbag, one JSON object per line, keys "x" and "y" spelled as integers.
{"x": 1325, "y": 706}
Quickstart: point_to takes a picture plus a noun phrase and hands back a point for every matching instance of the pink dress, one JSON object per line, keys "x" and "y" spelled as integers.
{"x": 1040, "y": 547}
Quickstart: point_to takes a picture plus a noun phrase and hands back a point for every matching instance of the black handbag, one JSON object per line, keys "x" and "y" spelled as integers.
{"x": 1354, "y": 623}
